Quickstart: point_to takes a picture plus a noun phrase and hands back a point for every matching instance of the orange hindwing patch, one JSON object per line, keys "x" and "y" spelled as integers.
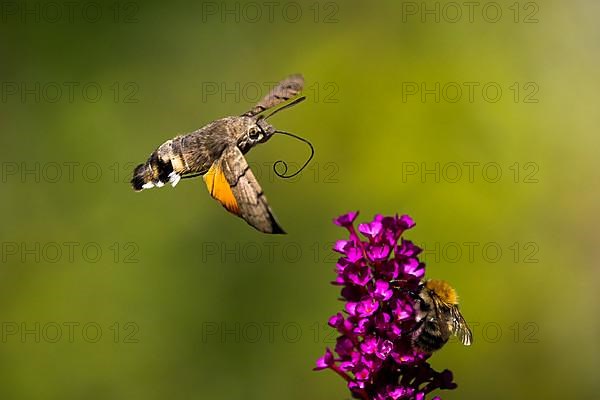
{"x": 219, "y": 188}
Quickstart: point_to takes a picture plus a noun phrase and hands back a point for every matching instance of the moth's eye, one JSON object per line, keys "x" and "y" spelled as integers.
{"x": 254, "y": 133}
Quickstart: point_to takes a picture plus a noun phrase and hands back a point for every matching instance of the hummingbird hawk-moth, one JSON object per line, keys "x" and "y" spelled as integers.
{"x": 216, "y": 151}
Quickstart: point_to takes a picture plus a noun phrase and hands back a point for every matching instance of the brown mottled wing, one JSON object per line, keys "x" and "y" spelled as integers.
{"x": 231, "y": 182}
{"x": 459, "y": 327}
{"x": 285, "y": 90}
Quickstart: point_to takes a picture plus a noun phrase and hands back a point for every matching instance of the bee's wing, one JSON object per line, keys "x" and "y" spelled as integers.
{"x": 440, "y": 310}
{"x": 285, "y": 90}
{"x": 231, "y": 182}
{"x": 459, "y": 327}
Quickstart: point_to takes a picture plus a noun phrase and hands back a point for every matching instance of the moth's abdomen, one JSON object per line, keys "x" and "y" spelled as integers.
{"x": 159, "y": 169}
{"x": 191, "y": 154}
{"x": 140, "y": 177}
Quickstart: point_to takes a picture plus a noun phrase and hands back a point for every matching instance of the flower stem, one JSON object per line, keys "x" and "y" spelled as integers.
{"x": 361, "y": 392}
{"x": 341, "y": 373}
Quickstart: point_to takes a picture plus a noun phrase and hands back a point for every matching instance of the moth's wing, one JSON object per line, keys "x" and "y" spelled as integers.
{"x": 231, "y": 182}
{"x": 285, "y": 90}
{"x": 459, "y": 327}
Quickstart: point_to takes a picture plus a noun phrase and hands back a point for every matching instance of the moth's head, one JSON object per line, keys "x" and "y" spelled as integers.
{"x": 263, "y": 130}
{"x": 266, "y": 130}
{"x": 254, "y": 131}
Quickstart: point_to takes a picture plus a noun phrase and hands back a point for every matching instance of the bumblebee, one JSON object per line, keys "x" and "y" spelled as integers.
{"x": 438, "y": 317}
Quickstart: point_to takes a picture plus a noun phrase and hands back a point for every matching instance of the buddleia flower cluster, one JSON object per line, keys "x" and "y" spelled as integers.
{"x": 377, "y": 272}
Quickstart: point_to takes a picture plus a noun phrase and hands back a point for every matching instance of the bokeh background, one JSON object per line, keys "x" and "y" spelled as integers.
{"x": 107, "y": 293}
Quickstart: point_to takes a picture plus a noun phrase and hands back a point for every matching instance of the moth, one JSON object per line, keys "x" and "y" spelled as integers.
{"x": 216, "y": 152}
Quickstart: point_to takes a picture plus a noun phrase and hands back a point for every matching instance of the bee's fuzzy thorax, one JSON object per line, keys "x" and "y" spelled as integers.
{"x": 443, "y": 290}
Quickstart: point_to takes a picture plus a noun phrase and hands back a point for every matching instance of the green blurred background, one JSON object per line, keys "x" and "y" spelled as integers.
{"x": 187, "y": 302}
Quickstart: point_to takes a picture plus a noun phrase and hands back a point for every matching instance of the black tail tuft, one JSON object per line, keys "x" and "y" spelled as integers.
{"x": 138, "y": 179}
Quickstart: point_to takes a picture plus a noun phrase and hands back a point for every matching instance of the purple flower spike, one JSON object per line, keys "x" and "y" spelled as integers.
{"x": 384, "y": 348}
{"x": 336, "y": 320}
{"x": 371, "y": 230}
{"x": 374, "y": 351}
{"x": 367, "y": 307}
{"x": 344, "y": 346}
{"x": 354, "y": 254}
{"x": 340, "y": 246}
{"x": 382, "y": 290}
{"x": 346, "y": 220}
{"x": 400, "y": 392}
{"x": 402, "y": 310}
{"x": 414, "y": 268}
{"x": 359, "y": 275}
{"x": 408, "y": 249}
{"x": 406, "y": 222}
{"x": 378, "y": 253}
{"x": 369, "y": 345}
{"x": 325, "y": 362}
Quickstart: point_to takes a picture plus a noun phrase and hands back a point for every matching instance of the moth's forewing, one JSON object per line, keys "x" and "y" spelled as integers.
{"x": 285, "y": 90}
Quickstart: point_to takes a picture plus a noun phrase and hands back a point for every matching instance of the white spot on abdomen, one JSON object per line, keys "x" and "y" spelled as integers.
{"x": 174, "y": 178}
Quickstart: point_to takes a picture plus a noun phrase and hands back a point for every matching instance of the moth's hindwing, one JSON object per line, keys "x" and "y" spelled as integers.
{"x": 232, "y": 183}
{"x": 219, "y": 188}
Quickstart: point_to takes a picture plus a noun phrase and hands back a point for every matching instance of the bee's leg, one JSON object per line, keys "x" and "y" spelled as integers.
{"x": 415, "y": 296}
{"x": 411, "y": 292}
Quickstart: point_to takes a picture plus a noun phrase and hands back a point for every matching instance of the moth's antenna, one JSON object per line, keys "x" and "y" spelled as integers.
{"x": 288, "y": 105}
{"x": 285, "y": 166}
